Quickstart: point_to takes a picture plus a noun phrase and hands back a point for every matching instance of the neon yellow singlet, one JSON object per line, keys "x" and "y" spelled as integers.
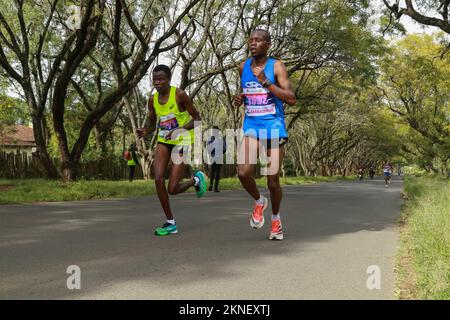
{"x": 170, "y": 117}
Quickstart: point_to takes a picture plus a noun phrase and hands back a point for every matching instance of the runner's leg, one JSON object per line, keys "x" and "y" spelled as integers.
{"x": 248, "y": 148}
{"x": 275, "y": 156}
{"x": 175, "y": 186}
{"x": 273, "y": 179}
{"x": 162, "y": 157}
{"x": 246, "y": 162}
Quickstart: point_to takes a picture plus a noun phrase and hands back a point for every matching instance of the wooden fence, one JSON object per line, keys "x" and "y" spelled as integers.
{"x": 17, "y": 165}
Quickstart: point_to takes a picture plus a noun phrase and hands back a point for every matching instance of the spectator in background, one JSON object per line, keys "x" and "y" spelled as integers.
{"x": 372, "y": 172}
{"x": 217, "y": 150}
{"x": 132, "y": 160}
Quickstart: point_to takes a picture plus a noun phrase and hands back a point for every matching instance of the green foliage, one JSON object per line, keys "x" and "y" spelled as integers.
{"x": 415, "y": 81}
{"x": 329, "y": 47}
{"x": 12, "y": 111}
{"x": 326, "y": 33}
{"x": 384, "y": 130}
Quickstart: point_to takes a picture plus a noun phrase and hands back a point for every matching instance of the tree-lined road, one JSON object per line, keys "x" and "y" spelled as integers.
{"x": 333, "y": 233}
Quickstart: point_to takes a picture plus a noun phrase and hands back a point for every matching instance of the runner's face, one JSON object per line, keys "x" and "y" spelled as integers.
{"x": 257, "y": 44}
{"x": 161, "y": 81}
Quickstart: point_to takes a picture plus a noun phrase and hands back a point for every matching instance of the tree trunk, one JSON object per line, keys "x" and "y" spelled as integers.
{"x": 146, "y": 165}
{"x": 124, "y": 146}
{"x": 41, "y": 153}
{"x": 444, "y": 169}
{"x": 99, "y": 139}
{"x": 47, "y": 164}
{"x": 69, "y": 170}
{"x": 146, "y": 152}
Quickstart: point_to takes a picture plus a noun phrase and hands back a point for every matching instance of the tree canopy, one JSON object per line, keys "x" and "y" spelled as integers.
{"x": 79, "y": 71}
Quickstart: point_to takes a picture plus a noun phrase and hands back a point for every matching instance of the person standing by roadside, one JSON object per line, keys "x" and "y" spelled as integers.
{"x": 217, "y": 146}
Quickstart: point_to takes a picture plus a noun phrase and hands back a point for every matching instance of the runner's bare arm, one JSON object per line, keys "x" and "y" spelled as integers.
{"x": 239, "y": 98}
{"x": 186, "y": 104}
{"x": 283, "y": 89}
{"x": 151, "y": 127}
{"x": 241, "y": 67}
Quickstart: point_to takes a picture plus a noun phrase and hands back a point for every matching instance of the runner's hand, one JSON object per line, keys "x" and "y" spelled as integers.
{"x": 168, "y": 135}
{"x": 239, "y": 100}
{"x": 259, "y": 74}
{"x": 141, "y": 132}
{"x": 174, "y": 133}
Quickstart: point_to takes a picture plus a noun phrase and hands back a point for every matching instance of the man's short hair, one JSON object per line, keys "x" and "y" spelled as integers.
{"x": 163, "y": 68}
{"x": 266, "y": 34}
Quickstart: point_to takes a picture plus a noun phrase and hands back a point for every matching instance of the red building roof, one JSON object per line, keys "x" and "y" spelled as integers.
{"x": 21, "y": 136}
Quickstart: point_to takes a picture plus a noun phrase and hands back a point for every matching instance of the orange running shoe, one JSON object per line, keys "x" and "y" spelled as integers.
{"x": 276, "y": 232}
{"x": 257, "y": 219}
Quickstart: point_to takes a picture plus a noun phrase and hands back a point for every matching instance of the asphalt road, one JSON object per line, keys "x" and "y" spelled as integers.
{"x": 334, "y": 232}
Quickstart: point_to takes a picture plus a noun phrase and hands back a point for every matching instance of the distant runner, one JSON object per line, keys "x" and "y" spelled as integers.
{"x": 387, "y": 171}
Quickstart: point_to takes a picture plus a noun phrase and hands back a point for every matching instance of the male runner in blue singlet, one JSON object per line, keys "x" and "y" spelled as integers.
{"x": 266, "y": 87}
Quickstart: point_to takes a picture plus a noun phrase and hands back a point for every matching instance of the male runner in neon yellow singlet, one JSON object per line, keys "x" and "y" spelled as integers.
{"x": 175, "y": 111}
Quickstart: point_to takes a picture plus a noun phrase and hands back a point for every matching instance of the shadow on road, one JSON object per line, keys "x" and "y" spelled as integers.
{"x": 112, "y": 241}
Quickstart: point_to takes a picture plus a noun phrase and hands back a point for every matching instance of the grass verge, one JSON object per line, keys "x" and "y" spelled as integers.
{"x": 40, "y": 190}
{"x": 423, "y": 261}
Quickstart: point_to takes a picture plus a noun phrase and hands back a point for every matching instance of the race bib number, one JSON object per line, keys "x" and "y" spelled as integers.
{"x": 259, "y": 102}
{"x": 167, "y": 123}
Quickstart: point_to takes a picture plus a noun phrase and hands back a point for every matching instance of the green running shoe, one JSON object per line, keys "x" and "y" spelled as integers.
{"x": 166, "y": 229}
{"x": 201, "y": 188}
